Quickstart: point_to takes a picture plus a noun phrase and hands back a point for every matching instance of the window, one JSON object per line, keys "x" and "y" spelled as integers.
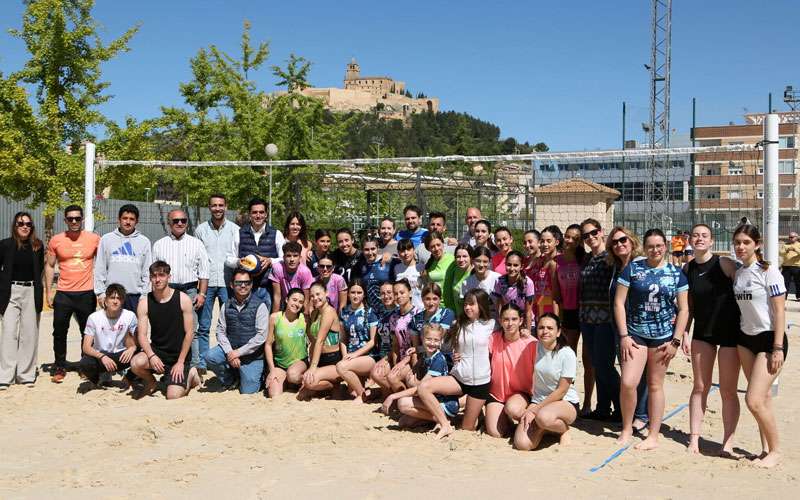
{"x": 711, "y": 169}
{"x": 760, "y": 195}
{"x": 734, "y": 195}
{"x": 761, "y": 169}
{"x": 786, "y": 142}
{"x": 708, "y": 193}
{"x": 710, "y": 142}
{"x": 786, "y": 166}
{"x": 787, "y": 191}
{"x": 734, "y": 169}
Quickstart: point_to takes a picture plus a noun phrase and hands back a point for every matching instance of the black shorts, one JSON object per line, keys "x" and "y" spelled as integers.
{"x": 170, "y": 380}
{"x": 491, "y": 399}
{"x": 648, "y": 342}
{"x": 329, "y": 358}
{"x": 475, "y": 391}
{"x": 728, "y": 339}
{"x": 571, "y": 320}
{"x": 762, "y": 342}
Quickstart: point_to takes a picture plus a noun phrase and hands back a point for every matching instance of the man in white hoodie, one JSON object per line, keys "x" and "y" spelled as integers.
{"x": 124, "y": 257}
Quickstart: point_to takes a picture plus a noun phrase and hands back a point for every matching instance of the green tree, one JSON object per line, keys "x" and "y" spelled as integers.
{"x": 66, "y": 55}
{"x": 295, "y": 75}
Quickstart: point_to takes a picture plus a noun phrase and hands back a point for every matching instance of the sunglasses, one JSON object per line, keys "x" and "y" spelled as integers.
{"x": 619, "y": 241}
{"x": 24, "y": 223}
{"x": 325, "y": 266}
{"x": 180, "y": 221}
{"x": 242, "y": 282}
{"x": 590, "y": 234}
{"x": 74, "y": 219}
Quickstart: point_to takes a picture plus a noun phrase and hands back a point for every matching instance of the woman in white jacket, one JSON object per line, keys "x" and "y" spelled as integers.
{"x": 471, "y": 373}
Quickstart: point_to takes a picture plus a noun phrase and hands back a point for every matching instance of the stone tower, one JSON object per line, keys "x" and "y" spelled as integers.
{"x": 353, "y": 71}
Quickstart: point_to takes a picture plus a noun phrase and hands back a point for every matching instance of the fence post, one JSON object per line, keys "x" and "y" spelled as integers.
{"x": 771, "y": 194}
{"x": 88, "y": 187}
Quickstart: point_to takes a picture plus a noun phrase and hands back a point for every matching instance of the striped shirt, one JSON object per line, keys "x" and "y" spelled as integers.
{"x": 186, "y": 257}
{"x": 218, "y": 243}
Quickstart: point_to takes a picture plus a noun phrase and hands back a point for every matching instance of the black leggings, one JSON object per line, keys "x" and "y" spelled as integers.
{"x": 65, "y": 304}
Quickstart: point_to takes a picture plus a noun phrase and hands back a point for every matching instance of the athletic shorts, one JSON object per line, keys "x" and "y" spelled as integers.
{"x": 475, "y": 391}
{"x": 762, "y": 342}
{"x": 648, "y": 342}
{"x": 170, "y": 380}
{"x": 450, "y": 407}
{"x": 727, "y": 339}
{"x": 571, "y": 320}
{"x": 329, "y": 358}
{"x": 284, "y": 368}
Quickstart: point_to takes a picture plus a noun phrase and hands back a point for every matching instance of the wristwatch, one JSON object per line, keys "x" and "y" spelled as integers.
{"x": 676, "y": 342}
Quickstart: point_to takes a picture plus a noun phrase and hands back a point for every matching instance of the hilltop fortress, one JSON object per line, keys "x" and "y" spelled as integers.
{"x": 372, "y": 93}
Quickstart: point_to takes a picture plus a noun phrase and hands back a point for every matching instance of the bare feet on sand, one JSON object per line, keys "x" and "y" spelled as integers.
{"x": 694, "y": 444}
{"x": 443, "y": 431}
{"x": 772, "y": 459}
{"x": 565, "y": 439}
{"x": 624, "y": 437}
{"x": 651, "y": 443}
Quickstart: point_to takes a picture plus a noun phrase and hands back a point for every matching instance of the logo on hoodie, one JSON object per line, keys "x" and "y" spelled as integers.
{"x": 124, "y": 253}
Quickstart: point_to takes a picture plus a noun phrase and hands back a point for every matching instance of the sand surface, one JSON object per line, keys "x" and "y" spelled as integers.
{"x": 54, "y": 440}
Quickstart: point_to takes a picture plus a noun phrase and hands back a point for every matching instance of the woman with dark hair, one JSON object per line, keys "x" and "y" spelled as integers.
{"x": 530, "y": 240}
{"x": 325, "y": 347}
{"x": 471, "y": 374}
{"x": 21, "y": 267}
{"x": 713, "y": 309}
{"x": 651, "y": 309}
{"x": 295, "y": 229}
{"x": 543, "y": 270}
{"x": 566, "y": 288}
{"x": 504, "y": 243}
{"x": 483, "y": 235}
{"x": 439, "y": 261}
{"x": 346, "y": 257}
{"x": 322, "y": 247}
{"x": 759, "y": 289}
{"x": 456, "y": 275}
{"x": 482, "y": 275}
{"x": 515, "y": 288}
{"x": 359, "y": 327}
{"x": 334, "y": 284}
{"x": 409, "y": 269}
{"x": 554, "y": 404}
{"x": 374, "y": 270}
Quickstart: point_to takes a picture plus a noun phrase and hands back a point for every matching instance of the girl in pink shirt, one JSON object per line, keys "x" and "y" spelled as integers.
{"x": 512, "y": 359}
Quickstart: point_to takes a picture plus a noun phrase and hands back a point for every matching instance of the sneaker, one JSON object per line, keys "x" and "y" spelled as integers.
{"x": 3, "y": 387}
{"x": 58, "y": 375}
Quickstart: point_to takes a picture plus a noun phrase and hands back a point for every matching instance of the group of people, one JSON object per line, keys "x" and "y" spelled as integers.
{"x": 428, "y": 325}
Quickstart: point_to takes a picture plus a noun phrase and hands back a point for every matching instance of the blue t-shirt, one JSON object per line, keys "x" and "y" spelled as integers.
{"x": 652, "y": 294}
{"x": 443, "y": 316}
{"x": 374, "y": 275}
{"x": 383, "y": 335}
{"x": 436, "y": 366}
{"x": 357, "y": 324}
{"x": 415, "y": 237}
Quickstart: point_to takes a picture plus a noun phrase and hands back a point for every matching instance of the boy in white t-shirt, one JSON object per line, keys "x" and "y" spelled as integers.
{"x": 109, "y": 339}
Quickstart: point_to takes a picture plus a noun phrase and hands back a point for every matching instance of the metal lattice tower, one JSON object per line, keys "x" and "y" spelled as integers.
{"x": 658, "y": 133}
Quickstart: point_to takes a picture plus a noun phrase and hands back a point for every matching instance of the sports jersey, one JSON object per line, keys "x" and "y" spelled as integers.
{"x": 400, "y": 326}
{"x": 753, "y": 286}
{"x": 383, "y": 335}
{"x": 512, "y": 293}
{"x": 374, "y": 275}
{"x": 436, "y": 366}
{"x": 443, "y": 316}
{"x": 356, "y": 324}
{"x": 290, "y": 340}
{"x": 569, "y": 277}
{"x": 652, "y": 292}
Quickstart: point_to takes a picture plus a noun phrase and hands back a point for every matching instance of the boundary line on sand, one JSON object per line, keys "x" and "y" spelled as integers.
{"x": 622, "y": 450}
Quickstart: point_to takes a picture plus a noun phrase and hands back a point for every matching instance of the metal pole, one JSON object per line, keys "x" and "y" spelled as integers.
{"x": 622, "y": 191}
{"x": 769, "y": 108}
{"x": 88, "y": 187}
{"x": 270, "y": 196}
{"x": 771, "y": 183}
{"x": 691, "y": 159}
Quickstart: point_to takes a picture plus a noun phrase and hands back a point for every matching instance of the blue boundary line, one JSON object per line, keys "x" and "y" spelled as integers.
{"x": 622, "y": 450}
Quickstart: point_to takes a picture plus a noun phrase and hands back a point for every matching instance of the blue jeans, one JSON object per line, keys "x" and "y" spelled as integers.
{"x": 249, "y": 374}
{"x": 603, "y": 351}
{"x": 264, "y": 294}
{"x": 200, "y": 342}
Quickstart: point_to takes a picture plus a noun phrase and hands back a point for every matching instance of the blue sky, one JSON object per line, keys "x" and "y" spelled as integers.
{"x": 555, "y": 72}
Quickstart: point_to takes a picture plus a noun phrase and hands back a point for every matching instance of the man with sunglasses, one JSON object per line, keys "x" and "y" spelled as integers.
{"x": 238, "y": 358}
{"x": 74, "y": 251}
{"x": 188, "y": 261}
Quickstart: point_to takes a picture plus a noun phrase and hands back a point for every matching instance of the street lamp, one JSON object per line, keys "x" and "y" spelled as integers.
{"x": 272, "y": 151}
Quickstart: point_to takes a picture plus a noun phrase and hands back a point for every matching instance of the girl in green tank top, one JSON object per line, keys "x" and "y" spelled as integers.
{"x": 325, "y": 350}
{"x": 285, "y": 350}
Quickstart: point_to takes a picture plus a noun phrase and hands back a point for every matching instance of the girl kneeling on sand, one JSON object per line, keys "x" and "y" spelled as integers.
{"x": 285, "y": 349}
{"x": 404, "y": 358}
{"x": 359, "y": 326}
{"x": 383, "y": 341}
{"x": 512, "y": 360}
{"x": 433, "y": 365}
{"x": 554, "y": 405}
{"x": 471, "y": 374}
{"x": 325, "y": 348}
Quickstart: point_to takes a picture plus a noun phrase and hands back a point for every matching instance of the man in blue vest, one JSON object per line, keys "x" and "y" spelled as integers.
{"x": 262, "y": 240}
{"x": 238, "y": 357}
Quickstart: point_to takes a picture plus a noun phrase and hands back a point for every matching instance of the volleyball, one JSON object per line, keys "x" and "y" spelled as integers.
{"x": 250, "y": 263}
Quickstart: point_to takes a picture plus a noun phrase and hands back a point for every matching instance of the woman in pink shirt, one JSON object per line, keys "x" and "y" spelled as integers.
{"x": 565, "y": 292}
{"x": 512, "y": 358}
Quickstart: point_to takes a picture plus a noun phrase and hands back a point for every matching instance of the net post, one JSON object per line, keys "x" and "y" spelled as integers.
{"x": 88, "y": 186}
{"x": 771, "y": 206}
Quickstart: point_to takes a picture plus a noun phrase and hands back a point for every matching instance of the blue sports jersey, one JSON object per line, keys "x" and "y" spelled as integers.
{"x": 443, "y": 316}
{"x": 383, "y": 336}
{"x": 357, "y": 324}
{"x": 374, "y": 275}
{"x": 436, "y": 366}
{"x": 652, "y": 295}
{"x": 416, "y": 237}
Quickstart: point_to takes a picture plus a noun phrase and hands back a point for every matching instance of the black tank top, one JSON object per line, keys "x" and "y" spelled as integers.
{"x": 166, "y": 327}
{"x": 713, "y": 304}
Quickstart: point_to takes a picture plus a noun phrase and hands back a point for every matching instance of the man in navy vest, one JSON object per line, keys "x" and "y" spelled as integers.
{"x": 262, "y": 240}
{"x": 241, "y": 333}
